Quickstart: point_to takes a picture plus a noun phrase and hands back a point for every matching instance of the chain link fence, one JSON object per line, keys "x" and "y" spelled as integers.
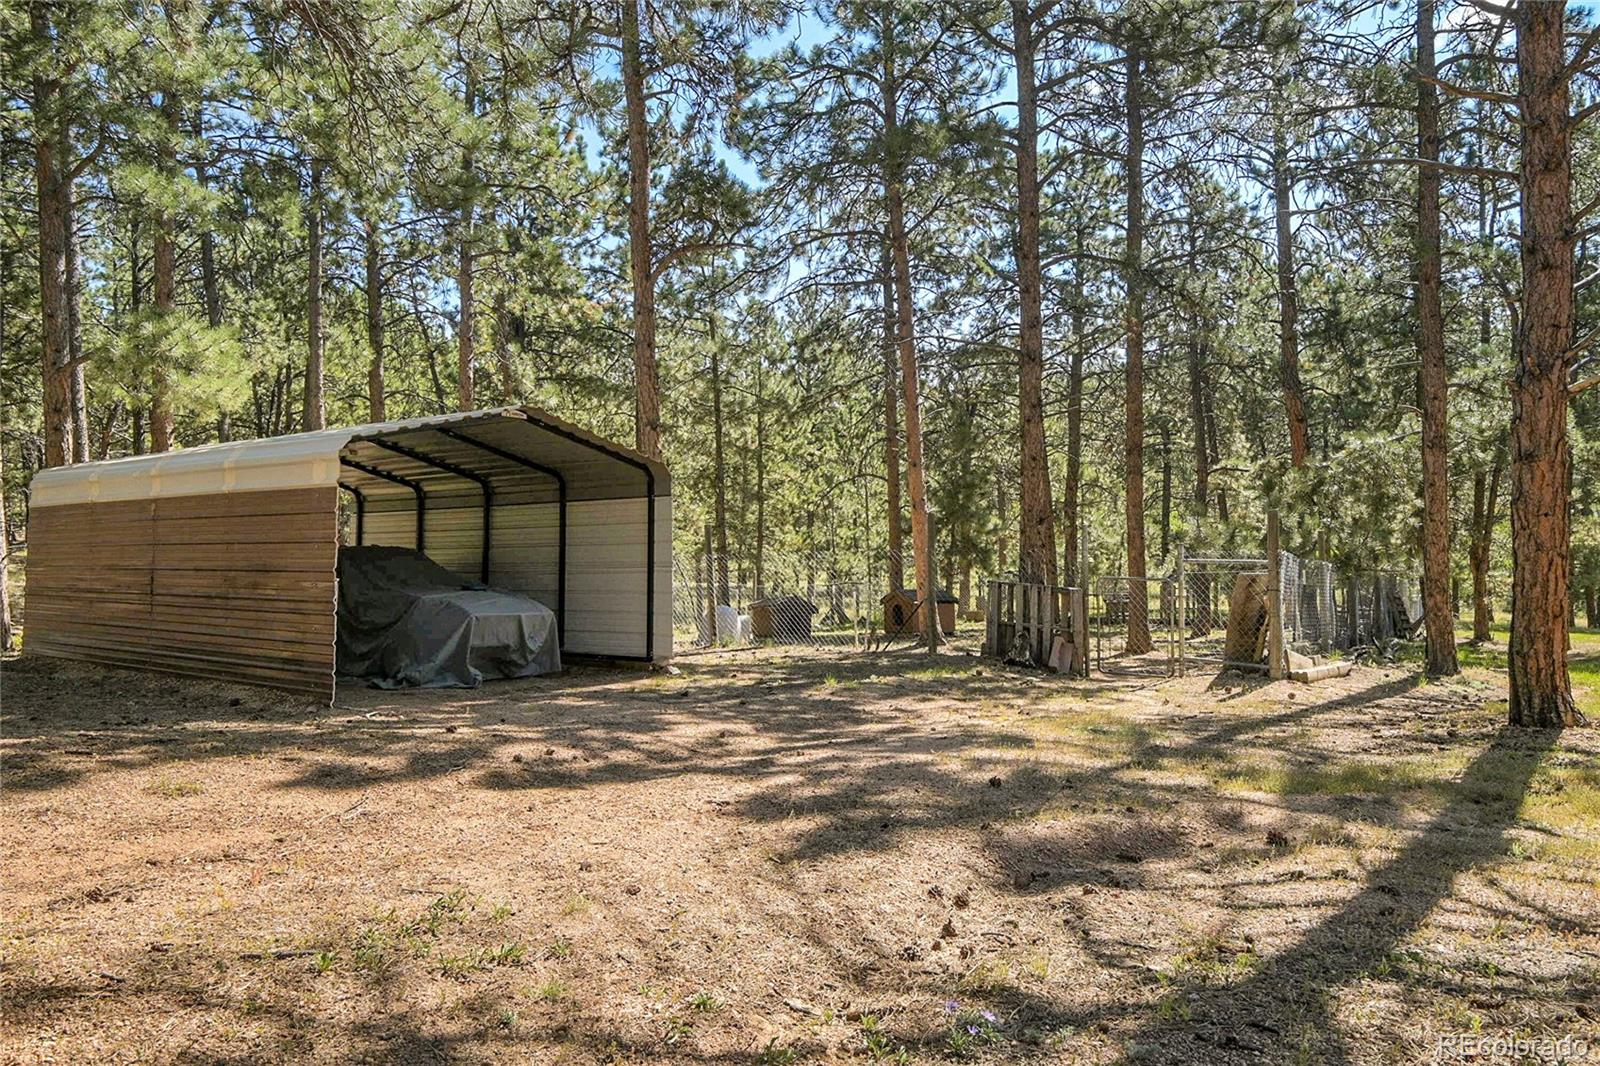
{"x": 799, "y": 599}
{"x": 1234, "y": 613}
{"x": 1134, "y": 621}
{"x": 1322, "y": 610}
{"x": 1225, "y": 623}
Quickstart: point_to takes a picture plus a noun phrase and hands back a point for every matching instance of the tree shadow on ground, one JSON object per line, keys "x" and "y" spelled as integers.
{"x": 803, "y": 746}
{"x": 1284, "y": 1007}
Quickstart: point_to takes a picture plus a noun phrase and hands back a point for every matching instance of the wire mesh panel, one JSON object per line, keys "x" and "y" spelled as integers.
{"x": 1378, "y": 607}
{"x": 1135, "y": 624}
{"x": 1309, "y": 594}
{"x": 1225, "y": 613}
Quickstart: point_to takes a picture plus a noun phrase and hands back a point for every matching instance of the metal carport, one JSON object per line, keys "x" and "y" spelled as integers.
{"x": 220, "y": 561}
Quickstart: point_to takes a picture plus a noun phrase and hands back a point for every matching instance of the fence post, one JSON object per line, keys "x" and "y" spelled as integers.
{"x": 1181, "y": 606}
{"x": 1080, "y": 626}
{"x": 713, "y": 638}
{"x": 1275, "y": 658}
{"x": 991, "y": 620}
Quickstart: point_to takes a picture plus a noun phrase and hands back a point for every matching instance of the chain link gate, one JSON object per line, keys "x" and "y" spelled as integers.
{"x": 1135, "y": 622}
{"x": 1225, "y": 610}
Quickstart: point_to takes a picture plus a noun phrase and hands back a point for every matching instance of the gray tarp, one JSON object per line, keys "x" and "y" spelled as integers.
{"x": 406, "y": 620}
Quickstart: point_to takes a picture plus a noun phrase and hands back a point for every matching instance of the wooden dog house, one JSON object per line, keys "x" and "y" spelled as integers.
{"x": 903, "y": 617}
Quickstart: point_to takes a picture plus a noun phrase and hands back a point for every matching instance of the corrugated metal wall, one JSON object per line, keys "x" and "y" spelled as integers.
{"x": 238, "y": 586}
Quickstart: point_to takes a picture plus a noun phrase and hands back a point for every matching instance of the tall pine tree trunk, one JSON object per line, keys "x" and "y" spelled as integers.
{"x": 372, "y": 288}
{"x": 161, "y": 417}
{"x": 1037, "y": 554}
{"x": 719, "y": 468}
{"x": 1071, "y": 513}
{"x": 891, "y": 426}
{"x": 210, "y": 284}
{"x": 1294, "y": 398}
{"x": 77, "y": 392}
{"x": 1485, "y": 505}
{"x": 313, "y": 411}
{"x": 1541, "y": 551}
{"x": 761, "y": 482}
{"x": 1133, "y": 398}
{"x": 502, "y": 348}
{"x": 6, "y": 635}
{"x": 900, "y": 254}
{"x": 466, "y": 333}
{"x": 646, "y": 378}
{"x": 1432, "y": 379}
{"x": 52, "y": 145}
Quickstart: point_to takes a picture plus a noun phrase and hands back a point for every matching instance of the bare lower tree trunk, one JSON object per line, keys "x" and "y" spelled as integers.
{"x": 377, "y": 387}
{"x": 1485, "y": 507}
{"x": 1432, "y": 378}
{"x": 646, "y": 378}
{"x": 502, "y": 348}
{"x": 891, "y": 427}
{"x": 52, "y": 163}
{"x": 1037, "y": 553}
{"x": 1541, "y": 552}
{"x": 761, "y": 482}
{"x": 1133, "y": 399}
{"x": 77, "y": 392}
{"x": 161, "y": 416}
{"x": 6, "y": 635}
{"x": 210, "y": 284}
{"x": 466, "y": 333}
{"x": 719, "y": 469}
{"x": 1197, "y": 417}
{"x": 1070, "y": 510}
{"x": 1294, "y": 401}
{"x": 313, "y": 412}
{"x": 1166, "y": 487}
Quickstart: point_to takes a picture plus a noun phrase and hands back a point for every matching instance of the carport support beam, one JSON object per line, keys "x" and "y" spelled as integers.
{"x": 460, "y": 472}
{"x": 561, "y": 522}
{"x": 422, "y": 497}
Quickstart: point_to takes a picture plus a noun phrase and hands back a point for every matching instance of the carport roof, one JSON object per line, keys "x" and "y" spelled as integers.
{"x": 592, "y": 466}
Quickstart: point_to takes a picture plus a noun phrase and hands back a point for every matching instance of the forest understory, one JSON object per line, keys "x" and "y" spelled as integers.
{"x": 771, "y": 858}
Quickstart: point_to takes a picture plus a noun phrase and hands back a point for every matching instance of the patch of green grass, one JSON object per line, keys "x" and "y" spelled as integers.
{"x": 560, "y": 948}
{"x": 172, "y": 788}
{"x": 940, "y": 671}
{"x": 704, "y": 1002}
{"x": 776, "y": 1054}
{"x": 1210, "y": 958}
{"x": 577, "y": 903}
{"x": 1343, "y": 778}
{"x": 877, "y": 1042}
{"x": 552, "y": 991}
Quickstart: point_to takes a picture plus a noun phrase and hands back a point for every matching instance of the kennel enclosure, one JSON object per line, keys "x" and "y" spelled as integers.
{"x": 220, "y": 561}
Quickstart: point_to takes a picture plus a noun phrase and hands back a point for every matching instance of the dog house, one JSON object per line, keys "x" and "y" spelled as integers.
{"x": 782, "y": 618}
{"x": 221, "y": 561}
{"x": 902, "y": 616}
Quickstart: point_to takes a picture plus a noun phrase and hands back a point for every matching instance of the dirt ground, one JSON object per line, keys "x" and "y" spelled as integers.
{"x": 772, "y": 859}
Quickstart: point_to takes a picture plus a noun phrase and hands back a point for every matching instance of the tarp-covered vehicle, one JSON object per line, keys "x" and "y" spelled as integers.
{"x": 406, "y": 620}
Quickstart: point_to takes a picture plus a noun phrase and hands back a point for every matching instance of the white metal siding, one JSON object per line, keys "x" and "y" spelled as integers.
{"x": 606, "y": 577}
{"x": 605, "y": 563}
